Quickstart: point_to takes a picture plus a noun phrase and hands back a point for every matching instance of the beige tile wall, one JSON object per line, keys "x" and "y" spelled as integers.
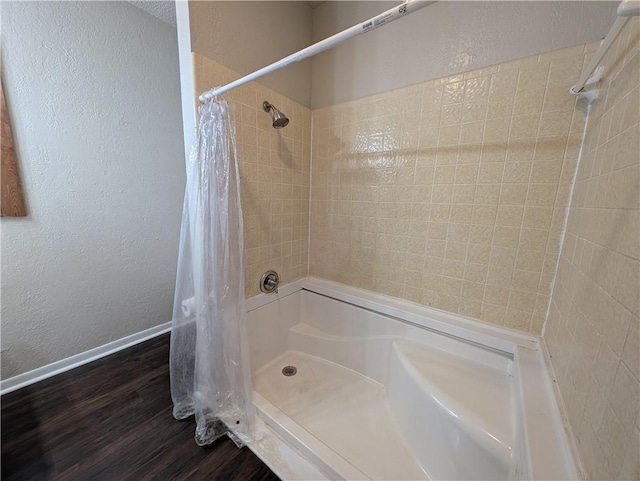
{"x": 451, "y": 193}
{"x": 274, "y": 174}
{"x": 593, "y": 326}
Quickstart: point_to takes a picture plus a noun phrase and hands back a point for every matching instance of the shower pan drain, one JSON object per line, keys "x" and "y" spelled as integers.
{"x": 289, "y": 370}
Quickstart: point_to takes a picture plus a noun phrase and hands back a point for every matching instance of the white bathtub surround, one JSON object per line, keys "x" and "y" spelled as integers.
{"x": 283, "y": 459}
{"x": 388, "y": 389}
{"x": 411, "y": 366}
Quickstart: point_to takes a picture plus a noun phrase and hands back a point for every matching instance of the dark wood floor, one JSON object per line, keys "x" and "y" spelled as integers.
{"x": 111, "y": 420}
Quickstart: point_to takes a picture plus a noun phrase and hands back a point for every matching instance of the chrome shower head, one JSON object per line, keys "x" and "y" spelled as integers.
{"x": 280, "y": 120}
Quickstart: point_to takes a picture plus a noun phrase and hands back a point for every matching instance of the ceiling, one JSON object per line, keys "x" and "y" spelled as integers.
{"x": 165, "y": 10}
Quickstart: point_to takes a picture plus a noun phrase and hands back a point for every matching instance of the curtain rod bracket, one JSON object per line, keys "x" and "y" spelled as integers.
{"x": 626, "y": 9}
{"x": 591, "y": 88}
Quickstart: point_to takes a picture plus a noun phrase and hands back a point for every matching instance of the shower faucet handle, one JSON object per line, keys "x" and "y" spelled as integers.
{"x": 269, "y": 282}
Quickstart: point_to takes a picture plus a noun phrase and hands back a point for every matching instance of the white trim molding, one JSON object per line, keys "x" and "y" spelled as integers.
{"x": 63, "y": 365}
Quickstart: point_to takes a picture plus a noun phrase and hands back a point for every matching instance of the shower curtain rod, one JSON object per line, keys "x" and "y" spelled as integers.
{"x": 626, "y": 9}
{"x": 409, "y": 6}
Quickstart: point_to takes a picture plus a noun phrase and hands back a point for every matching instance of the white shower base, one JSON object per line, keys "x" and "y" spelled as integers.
{"x": 342, "y": 409}
{"x": 386, "y": 389}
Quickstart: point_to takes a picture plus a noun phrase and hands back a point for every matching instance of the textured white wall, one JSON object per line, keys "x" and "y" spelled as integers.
{"x": 93, "y": 90}
{"x": 246, "y": 36}
{"x": 442, "y": 39}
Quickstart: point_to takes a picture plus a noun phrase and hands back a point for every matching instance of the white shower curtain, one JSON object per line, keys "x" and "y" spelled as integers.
{"x": 209, "y": 364}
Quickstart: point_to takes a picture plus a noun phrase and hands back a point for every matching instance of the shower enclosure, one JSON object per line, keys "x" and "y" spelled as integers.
{"x": 474, "y": 213}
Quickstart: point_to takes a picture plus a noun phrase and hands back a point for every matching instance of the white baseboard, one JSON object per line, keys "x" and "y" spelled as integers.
{"x": 58, "y": 367}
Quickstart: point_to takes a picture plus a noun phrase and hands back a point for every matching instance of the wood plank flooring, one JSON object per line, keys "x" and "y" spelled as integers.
{"x": 111, "y": 420}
